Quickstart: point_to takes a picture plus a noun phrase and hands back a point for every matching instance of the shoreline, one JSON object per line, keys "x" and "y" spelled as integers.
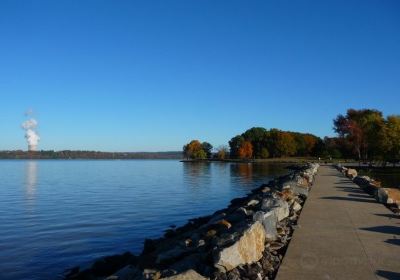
{"x": 247, "y": 239}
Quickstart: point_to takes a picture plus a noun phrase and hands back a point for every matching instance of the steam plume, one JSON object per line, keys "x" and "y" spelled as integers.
{"x": 31, "y": 136}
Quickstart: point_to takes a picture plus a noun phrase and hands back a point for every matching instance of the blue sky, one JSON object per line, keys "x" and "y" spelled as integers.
{"x": 152, "y": 75}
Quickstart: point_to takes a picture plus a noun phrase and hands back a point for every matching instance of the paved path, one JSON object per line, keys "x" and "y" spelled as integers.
{"x": 343, "y": 234}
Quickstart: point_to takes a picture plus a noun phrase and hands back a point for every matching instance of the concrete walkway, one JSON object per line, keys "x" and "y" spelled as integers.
{"x": 343, "y": 234}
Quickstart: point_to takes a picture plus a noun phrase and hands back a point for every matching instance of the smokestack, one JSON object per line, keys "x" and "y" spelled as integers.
{"x": 31, "y": 136}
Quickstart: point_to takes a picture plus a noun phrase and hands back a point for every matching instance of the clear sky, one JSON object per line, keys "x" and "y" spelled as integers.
{"x": 152, "y": 75}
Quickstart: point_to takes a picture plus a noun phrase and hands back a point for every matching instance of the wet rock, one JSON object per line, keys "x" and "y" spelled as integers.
{"x": 187, "y": 275}
{"x": 247, "y": 249}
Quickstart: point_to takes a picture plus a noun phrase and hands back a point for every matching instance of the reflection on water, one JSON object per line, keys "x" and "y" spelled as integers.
{"x": 197, "y": 173}
{"x": 59, "y": 214}
{"x": 390, "y": 177}
{"x": 30, "y": 179}
{"x": 244, "y": 170}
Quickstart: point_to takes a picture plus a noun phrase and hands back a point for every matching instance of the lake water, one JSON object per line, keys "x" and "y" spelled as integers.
{"x": 389, "y": 176}
{"x": 58, "y": 214}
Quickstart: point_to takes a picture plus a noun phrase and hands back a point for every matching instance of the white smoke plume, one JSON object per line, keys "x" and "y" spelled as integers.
{"x": 31, "y": 135}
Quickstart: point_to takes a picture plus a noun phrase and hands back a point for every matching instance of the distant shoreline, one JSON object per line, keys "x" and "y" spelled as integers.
{"x": 93, "y": 155}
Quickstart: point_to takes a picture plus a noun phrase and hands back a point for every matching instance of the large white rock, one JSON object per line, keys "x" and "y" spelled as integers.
{"x": 248, "y": 249}
{"x": 351, "y": 173}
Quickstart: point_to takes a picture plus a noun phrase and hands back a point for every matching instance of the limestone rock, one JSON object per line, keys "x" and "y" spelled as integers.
{"x": 351, "y": 173}
{"x": 248, "y": 249}
{"x": 187, "y": 275}
{"x": 393, "y": 196}
{"x": 296, "y": 206}
{"x": 279, "y": 206}
{"x": 269, "y": 221}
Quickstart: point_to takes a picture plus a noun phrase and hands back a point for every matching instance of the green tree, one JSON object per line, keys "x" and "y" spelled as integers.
{"x": 256, "y": 135}
{"x": 207, "y": 148}
{"x": 393, "y": 139}
{"x": 363, "y": 129}
{"x": 192, "y": 150}
{"x": 264, "y": 153}
{"x": 234, "y": 144}
{"x": 200, "y": 154}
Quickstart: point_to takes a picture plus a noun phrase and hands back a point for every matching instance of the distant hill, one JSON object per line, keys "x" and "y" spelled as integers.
{"x": 67, "y": 154}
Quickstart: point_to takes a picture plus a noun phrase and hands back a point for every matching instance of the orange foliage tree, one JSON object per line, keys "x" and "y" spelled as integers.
{"x": 245, "y": 150}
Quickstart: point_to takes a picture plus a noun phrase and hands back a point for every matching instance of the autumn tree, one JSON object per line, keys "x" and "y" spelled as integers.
{"x": 234, "y": 144}
{"x": 363, "y": 129}
{"x": 257, "y": 137}
{"x": 194, "y": 150}
{"x": 246, "y": 150}
{"x": 392, "y": 134}
{"x": 286, "y": 146}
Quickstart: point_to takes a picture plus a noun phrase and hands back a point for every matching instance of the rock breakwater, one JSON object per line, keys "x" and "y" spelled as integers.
{"x": 388, "y": 196}
{"x": 246, "y": 240}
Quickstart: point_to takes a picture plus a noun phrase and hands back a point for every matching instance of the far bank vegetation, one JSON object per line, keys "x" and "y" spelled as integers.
{"x": 364, "y": 135}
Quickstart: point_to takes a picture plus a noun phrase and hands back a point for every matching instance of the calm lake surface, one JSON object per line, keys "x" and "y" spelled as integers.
{"x": 58, "y": 214}
{"x": 389, "y": 176}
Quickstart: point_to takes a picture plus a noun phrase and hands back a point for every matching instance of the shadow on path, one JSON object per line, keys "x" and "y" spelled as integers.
{"x": 349, "y": 199}
{"x": 359, "y": 195}
{"x": 384, "y": 229}
{"x": 390, "y": 275}
{"x": 390, "y": 216}
{"x": 393, "y": 241}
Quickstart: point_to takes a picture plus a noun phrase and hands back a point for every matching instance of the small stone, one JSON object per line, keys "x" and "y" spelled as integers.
{"x": 296, "y": 206}
{"x": 253, "y": 202}
{"x": 265, "y": 189}
{"x": 211, "y": 233}
{"x": 225, "y": 223}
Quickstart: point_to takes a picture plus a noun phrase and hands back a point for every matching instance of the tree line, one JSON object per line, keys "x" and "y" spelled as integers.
{"x": 259, "y": 143}
{"x": 361, "y": 134}
{"x": 366, "y": 135}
